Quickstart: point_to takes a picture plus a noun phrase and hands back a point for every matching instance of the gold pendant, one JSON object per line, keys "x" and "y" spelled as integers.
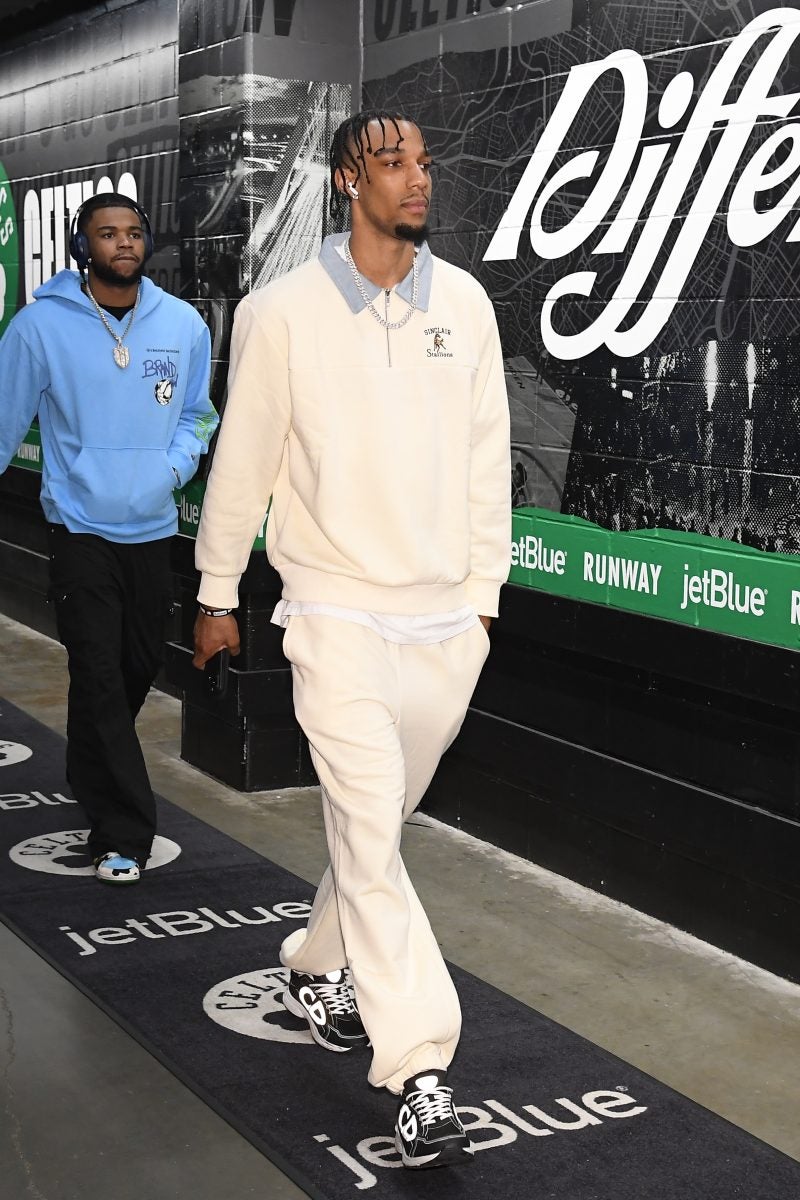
{"x": 121, "y": 355}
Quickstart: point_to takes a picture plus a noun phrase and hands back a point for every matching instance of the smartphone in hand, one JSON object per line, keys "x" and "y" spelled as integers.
{"x": 216, "y": 673}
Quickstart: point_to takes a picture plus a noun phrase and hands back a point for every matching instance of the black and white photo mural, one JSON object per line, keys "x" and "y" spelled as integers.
{"x": 624, "y": 178}
{"x": 89, "y": 104}
{"x": 263, "y": 85}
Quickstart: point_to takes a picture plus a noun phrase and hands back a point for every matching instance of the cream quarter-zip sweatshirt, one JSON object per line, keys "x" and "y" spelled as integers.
{"x": 386, "y": 452}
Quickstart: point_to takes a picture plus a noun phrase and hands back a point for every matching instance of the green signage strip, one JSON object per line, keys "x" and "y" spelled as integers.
{"x": 29, "y": 454}
{"x": 189, "y": 500}
{"x": 705, "y": 582}
{"x": 190, "y": 505}
{"x": 9, "y": 252}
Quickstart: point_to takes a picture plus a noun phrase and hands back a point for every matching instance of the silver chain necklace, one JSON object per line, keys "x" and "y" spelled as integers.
{"x": 122, "y": 355}
{"x": 362, "y": 292}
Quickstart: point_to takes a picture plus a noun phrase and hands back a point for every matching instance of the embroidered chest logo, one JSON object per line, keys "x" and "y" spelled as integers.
{"x": 439, "y": 342}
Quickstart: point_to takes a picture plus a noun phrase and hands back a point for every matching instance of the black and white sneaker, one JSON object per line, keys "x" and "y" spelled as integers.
{"x": 428, "y": 1132}
{"x": 325, "y": 1001}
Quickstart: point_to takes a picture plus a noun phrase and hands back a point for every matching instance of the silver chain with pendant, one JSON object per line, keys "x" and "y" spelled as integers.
{"x": 362, "y": 292}
{"x": 122, "y": 355}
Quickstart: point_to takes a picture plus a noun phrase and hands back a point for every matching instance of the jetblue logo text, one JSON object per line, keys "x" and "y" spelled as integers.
{"x": 492, "y": 1126}
{"x": 181, "y": 923}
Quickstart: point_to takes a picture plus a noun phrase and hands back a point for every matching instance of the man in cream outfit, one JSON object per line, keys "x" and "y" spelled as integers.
{"x": 367, "y": 399}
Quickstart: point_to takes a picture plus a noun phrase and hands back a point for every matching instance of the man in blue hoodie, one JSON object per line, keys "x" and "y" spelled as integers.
{"x": 117, "y": 372}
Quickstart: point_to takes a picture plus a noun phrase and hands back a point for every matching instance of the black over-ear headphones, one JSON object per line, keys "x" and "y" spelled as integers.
{"x": 79, "y": 242}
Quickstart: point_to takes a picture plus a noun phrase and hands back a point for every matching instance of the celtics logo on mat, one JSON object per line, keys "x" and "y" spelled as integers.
{"x": 13, "y": 752}
{"x": 252, "y": 1004}
{"x": 66, "y": 853}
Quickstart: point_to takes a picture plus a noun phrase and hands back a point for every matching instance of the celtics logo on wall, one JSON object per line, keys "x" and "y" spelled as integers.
{"x": 9, "y": 252}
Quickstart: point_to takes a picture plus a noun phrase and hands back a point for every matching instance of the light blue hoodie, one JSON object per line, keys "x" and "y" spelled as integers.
{"x": 115, "y": 442}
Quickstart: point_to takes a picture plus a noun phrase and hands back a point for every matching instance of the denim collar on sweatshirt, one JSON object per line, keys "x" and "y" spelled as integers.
{"x": 341, "y": 275}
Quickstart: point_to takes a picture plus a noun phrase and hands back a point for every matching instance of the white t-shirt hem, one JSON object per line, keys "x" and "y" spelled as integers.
{"x": 424, "y": 630}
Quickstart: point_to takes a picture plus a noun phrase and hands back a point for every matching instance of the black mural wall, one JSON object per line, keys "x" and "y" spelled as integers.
{"x": 668, "y": 395}
{"x": 262, "y": 86}
{"x": 623, "y": 178}
{"x": 88, "y": 103}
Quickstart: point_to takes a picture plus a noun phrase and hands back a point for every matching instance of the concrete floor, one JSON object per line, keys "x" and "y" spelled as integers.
{"x": 83, "y": 1105}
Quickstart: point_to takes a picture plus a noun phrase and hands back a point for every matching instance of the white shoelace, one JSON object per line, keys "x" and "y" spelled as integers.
{"x": 433, "y": 1106}
{"x": 336, "y": 997}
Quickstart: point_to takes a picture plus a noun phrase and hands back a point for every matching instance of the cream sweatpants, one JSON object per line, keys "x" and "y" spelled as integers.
{"x": 378, "y": 717}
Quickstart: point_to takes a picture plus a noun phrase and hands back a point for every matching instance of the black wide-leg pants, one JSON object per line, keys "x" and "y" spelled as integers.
{"x": 111, "y": 601}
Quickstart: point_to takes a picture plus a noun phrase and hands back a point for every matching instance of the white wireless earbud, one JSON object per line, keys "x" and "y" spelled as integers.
{"x": 353, "y": 192}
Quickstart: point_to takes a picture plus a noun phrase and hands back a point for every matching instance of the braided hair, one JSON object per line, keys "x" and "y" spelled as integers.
{"x": 352, "y": 142}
